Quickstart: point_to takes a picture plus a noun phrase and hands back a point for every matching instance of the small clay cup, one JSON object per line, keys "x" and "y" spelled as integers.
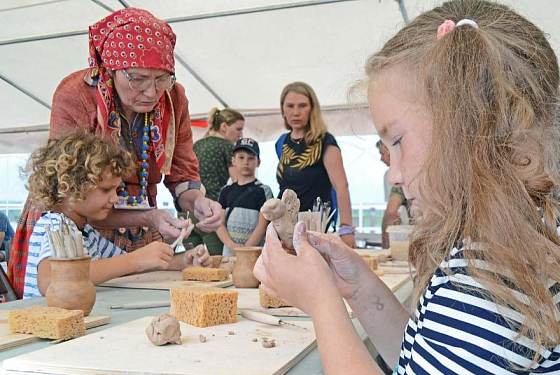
{"x": 246, "y": 257}
{"x": 71, "y": 287}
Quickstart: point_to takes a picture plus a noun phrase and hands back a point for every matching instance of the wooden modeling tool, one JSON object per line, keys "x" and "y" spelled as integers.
{"x": 266, "y": 319}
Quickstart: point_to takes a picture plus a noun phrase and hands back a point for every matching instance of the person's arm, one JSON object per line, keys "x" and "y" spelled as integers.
{"x": 2, "y": 234}
{"x": 156, "y": 255}
{"x": 296, "y": 280}
{"x": 258, "y": 233}
{"x": 378, "y": 310}
{"x": 166, "y": 224}
{"x": 390, "y": 217}
{"x": 224, "y": 236}
{"x": 185, "y": 259}
{"x": 332, "y": 160}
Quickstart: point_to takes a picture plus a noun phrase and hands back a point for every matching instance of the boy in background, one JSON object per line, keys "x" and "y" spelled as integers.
{"x": 242, "y": 222}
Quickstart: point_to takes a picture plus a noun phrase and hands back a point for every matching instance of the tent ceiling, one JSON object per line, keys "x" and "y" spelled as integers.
{"x": 242, "y": 53}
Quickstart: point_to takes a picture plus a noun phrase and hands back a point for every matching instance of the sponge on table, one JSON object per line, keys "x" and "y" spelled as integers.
{"x": 204, "y": 306}
{"x": 48, "y": 322}
{"x": 269, "y": 301}
{"x": 205, "y": 274}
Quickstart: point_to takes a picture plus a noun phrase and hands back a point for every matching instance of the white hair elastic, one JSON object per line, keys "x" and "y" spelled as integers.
{"x": 468, "y": 22}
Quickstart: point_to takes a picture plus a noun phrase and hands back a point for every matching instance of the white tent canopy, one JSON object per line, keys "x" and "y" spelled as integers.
{"x": 239, "y": 53}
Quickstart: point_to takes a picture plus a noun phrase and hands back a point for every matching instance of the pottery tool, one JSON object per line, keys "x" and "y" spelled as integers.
{"x": 64, "y": 242}
{"x": 142, "y": 305}
{"x": 182, "y": 234}
{"x": 266, "y": 319}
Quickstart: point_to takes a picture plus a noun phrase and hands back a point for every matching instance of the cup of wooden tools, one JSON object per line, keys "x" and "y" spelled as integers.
{"x": 71, "y": 287}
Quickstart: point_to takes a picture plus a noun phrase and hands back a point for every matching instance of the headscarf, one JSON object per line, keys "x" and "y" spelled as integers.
{"x": 132, "y": 38}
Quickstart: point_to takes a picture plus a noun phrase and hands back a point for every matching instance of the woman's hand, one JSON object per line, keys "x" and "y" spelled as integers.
{"x": 209, "y": 214}
{"x": 303, "y": 280}
{"x": 346, "y": 265}
{"x": 167, "y": 225}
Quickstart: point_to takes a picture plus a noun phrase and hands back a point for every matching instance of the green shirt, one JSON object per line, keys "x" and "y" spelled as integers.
{"x": 214, "y": 157}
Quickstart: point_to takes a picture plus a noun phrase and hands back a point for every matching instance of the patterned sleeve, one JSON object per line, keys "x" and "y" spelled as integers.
{"x": 39, "y": 250}
{"x": 98, "y": 246}
{"x": 228, "y": 154}
{"x": 460, "y": 331}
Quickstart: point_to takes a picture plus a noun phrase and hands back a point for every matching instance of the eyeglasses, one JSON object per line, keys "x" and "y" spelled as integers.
{"x": 143, "y": 83}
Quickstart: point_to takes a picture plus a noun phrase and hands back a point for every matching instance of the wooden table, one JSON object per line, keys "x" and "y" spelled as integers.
{"x": 310, "y": 364}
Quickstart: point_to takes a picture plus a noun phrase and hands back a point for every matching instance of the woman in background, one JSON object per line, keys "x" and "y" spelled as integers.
{"x": 310, "y": 159}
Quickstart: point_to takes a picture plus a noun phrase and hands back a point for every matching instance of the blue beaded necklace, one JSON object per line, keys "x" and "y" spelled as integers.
{"x": 143, "y": 173}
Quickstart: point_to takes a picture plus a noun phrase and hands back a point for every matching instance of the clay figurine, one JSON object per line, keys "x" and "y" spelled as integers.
{"x": 164, "y": 329}
{"x": 283, "y": 214}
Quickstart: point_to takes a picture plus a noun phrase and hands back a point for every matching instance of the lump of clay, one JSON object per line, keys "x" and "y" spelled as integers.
{"x": 164, "y": 329}
{"x": 283, "y": 215}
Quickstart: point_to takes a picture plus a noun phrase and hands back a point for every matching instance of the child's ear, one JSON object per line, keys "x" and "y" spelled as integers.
{"x": 233, "y": 160}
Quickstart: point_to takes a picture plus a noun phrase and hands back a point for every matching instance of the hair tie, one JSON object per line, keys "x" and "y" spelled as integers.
{"x": 449, "y": 25}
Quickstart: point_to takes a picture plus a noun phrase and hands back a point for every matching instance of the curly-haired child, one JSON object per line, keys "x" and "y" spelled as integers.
{"x": 77, "y": 175}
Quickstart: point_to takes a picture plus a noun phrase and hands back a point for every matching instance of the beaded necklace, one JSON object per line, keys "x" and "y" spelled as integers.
{"x": 142, "y": 199}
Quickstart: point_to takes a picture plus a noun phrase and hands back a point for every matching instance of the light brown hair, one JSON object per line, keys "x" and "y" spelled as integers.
{"x": 316, "y": 128}
{"x": 216, "y": 118}
{"x": 492, "y": 93}
{"x": 71, "y": 165}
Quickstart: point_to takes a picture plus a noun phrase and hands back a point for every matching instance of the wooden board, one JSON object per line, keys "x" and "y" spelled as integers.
{"x": 396, "y": 274}
{"x": 162, "y": 280}
{"x": 103, "y": 352}
{"x": 9, "y": 340}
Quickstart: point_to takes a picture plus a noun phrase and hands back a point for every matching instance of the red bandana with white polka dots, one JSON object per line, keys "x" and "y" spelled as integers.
{"x": 130, "y": 38}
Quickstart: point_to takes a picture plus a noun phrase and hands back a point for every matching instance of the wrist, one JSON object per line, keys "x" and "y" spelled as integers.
{"x": 345, "y": 229}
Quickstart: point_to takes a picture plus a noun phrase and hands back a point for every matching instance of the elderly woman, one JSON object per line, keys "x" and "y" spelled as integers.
{"x": 129, "y": 94}
{"x": 310, "y": 159}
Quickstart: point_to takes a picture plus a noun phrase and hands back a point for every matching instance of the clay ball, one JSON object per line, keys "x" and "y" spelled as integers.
{"x": 164, "y": 329}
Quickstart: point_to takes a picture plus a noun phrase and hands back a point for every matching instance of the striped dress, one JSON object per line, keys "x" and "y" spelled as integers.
{"x": 39, "y": 248}
{"x": 458, "y": 331}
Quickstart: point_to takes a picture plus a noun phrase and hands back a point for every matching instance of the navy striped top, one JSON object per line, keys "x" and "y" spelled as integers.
{"x": 458, "y": 331}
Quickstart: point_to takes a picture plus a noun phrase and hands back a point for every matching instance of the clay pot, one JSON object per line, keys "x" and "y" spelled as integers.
{"x": 71, "y": 287}
{"x": 246, "y": 257}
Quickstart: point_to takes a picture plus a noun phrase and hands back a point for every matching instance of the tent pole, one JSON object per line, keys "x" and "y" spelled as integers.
{"x": 403, "y": 11}
{"x": 19, "y": 88}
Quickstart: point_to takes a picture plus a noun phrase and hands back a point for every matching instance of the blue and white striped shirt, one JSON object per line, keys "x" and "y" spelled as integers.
{"x": 458, "y": 331}
{"x": 39, "y": 248}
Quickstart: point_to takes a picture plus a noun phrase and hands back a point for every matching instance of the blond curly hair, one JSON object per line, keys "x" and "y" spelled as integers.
{"x": 69, "y": 166}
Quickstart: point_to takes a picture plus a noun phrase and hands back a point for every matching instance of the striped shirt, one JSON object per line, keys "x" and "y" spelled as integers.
{"x": 39, "y": 248}
{"x": 459, "y": 331}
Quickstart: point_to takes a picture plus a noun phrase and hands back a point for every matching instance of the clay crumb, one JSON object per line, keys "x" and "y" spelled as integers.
{"x": 268, "y": 344}
{"x": 197, "y": 361}
{"x": 255, "y": 339}
{"x": 202, "y": 338}
{"x": 213, "y": 335}
{"x": 231, "y": 333}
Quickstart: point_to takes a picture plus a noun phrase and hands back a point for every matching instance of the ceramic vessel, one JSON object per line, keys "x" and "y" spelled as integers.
{"x": 246, "y": 257}
{"x": 71, "y": 287}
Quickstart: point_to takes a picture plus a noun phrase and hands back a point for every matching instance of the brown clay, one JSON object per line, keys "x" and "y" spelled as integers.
{"x": 283, "y": 215}
{"x": 268, "y": 344}
{"x": 216, "y": 261}
{"x": 202, "y": 338}
{"x": 71, "y": 287}
{"x": 246, "y": 257}
{"x": 164, "y": 329}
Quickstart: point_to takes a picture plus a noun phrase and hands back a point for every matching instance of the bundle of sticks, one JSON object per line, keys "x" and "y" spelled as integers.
{"x": 64, "y": 242}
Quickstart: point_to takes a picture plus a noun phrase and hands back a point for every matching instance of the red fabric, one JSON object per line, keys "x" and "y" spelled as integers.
{"x": 130, "y": 38}
{"x": 18, "y": 255}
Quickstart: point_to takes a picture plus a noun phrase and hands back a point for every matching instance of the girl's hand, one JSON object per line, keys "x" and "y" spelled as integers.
{"x": 303, "y": 280}
{"x": 156, "y": 255}
{"x": 347, "y": 266}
